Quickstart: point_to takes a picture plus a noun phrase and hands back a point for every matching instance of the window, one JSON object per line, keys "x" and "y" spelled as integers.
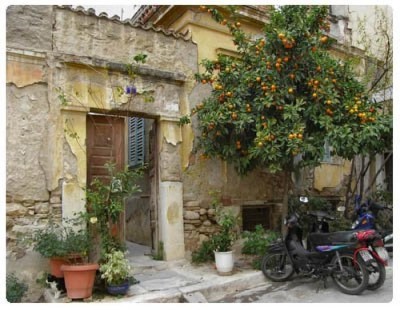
{"x": 327, "y": 153}
{"x": 136, "y": 141}
{"x": 256, "y": 215}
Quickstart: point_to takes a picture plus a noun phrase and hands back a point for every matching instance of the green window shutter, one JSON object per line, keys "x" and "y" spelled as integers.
{"x": 135, "y": 141}
{"x": 327, "y": 153}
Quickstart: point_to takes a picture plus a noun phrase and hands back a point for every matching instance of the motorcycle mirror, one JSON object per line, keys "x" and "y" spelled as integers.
{"x": 303, "y": 199}
{"x": 341, "y": 208}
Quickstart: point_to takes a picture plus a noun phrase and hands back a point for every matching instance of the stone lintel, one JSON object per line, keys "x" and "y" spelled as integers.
{"x": 122, "y": 67}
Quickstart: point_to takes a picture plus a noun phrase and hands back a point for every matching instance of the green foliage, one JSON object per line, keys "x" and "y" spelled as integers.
{"x": 184, "y": 120}
{"x": 49, "y": 242}
{"x": 105, "y": 202}
{"x": 223, "y": 240}
{"x": 56, "y": 240}
{"x": 77, "y": 243}
{"x": 318, "y": 204}
{"x": 15, "y": 289}
{"x": 116, "y": 268}
{"x": 257, "y": 242}
{"x": 286, "y": 95}
{"x": 204, "y": 254}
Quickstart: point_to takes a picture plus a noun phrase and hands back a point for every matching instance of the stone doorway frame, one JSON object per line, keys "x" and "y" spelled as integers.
{"x": 168, "y": 188}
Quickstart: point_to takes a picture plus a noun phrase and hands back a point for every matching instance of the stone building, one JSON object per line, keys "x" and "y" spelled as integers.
{"x": 65, "y": 72}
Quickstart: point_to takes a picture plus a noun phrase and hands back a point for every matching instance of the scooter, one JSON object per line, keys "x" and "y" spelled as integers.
{"x": 369, "y": 240}
{"x": 365, "y": 218}
{"x": 347, "y": 269}
{"x": 365, "y": 224}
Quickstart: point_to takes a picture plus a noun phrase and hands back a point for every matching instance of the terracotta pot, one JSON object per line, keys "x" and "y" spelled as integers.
{"x": 55, "y": 266}
{"x": 79, "y": 280}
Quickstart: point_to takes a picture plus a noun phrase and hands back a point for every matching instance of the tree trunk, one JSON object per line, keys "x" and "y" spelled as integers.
{"x": 285, "y": 201}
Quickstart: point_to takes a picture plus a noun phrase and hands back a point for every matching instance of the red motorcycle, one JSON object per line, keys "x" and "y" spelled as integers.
{"x": 372, "y": 241}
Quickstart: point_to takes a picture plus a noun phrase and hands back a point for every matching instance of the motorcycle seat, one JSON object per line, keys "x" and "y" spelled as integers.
{"x": 332, "y": 238}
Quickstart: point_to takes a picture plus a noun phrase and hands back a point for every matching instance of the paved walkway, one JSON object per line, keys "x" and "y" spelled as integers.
{"x": 177, "y": 281}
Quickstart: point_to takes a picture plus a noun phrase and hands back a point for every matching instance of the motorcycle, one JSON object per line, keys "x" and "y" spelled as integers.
{"x": 368, "y": 239}
{"x": 347, "y": 269}
{"x": 372, "y": 240}
{"x": 365, "y": 218}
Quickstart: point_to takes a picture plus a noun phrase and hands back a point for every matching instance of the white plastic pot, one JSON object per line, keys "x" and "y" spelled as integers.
{"x": 224, "y": 262}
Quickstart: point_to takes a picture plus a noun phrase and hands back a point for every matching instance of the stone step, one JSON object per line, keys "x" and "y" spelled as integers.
{"x": 195, "y": 297}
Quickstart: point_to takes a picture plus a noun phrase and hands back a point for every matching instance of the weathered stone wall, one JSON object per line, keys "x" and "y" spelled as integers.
{"x": 202, "y": 177}
{"x": 51, "y": 49}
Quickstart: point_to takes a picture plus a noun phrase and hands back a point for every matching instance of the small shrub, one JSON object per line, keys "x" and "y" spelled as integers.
{"x": 204, "y": 254}
{"x": 116, "y": 269}
{"x": 257, "y": 242}
{"x": 15, "y": 289}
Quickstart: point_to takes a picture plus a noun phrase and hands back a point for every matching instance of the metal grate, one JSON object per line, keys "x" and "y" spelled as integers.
{"x": 256, "y": 215}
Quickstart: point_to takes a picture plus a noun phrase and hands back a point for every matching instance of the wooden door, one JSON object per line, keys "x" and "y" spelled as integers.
{"x": 105, "y": 142}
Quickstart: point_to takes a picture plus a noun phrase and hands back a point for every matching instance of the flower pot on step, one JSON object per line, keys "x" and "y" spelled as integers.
{"x": 224, "y": 262}
{"x": 55, "y": 266}
{"x": 79, "y": 280}
{"x": 118, "y": 289}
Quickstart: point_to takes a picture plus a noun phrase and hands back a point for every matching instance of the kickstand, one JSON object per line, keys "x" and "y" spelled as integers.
{"x": 321, "y": 283}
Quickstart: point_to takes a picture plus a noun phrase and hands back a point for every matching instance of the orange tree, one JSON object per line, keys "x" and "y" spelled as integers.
{"x": 284, "y": 96}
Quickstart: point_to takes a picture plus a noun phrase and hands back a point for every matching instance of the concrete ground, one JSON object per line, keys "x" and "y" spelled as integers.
{"x": 176, "y": 282}
{"x": 180, "y": 282}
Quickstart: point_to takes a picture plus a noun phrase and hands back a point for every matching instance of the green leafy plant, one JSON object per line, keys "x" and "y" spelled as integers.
{"x": 256, "y": 243}
{"x": 15, "y": 289}
{"x": 223, "y": 240}
{"x": 204, "y": 253}
{"x": 105, "y": 202}
{"x": 49, "y": 241}
{"x": 116, "y": 268}
{"x": 77, "y": 243}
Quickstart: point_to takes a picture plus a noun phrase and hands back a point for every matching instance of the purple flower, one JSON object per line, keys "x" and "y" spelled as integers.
{"x": 130, "y": 89}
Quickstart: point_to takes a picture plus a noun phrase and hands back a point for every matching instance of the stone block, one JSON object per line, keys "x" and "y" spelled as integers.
{"x": 190, "y": 215}
{"x": 15, "y": 209}
{"x": 195, "y": 297}
{"x": 195, "y": 203}
{"x": 189, "y": 227}
{"x": 203, "y": 211}
{"x": 207, "y": 223}
{"x": 194, "y": 222}
{"x": 42, "y": 208}
{"x": 211, "y": 212}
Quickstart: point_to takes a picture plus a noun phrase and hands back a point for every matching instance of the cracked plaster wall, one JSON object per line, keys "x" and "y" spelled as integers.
{"x": 48, "y": 48}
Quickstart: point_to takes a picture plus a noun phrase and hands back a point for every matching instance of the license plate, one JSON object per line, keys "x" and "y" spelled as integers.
{"x": 366, "y": 255}
{"x": 382, "y": 253}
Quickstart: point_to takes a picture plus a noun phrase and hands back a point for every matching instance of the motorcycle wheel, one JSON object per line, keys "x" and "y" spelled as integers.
{"x": 377, "y": 275}
{"x": 353, "y": 280}
{"x": 277, "y": 266}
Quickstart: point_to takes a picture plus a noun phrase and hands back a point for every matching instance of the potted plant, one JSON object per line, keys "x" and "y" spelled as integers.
{"x": 115, "y": 271}
{"x": 49, "y": 242}
{"x": 223, "y": 241}
{"x": 79, "y": 273}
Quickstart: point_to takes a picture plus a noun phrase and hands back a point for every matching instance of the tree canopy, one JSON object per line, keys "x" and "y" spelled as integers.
{"x": 285, "y": 95}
